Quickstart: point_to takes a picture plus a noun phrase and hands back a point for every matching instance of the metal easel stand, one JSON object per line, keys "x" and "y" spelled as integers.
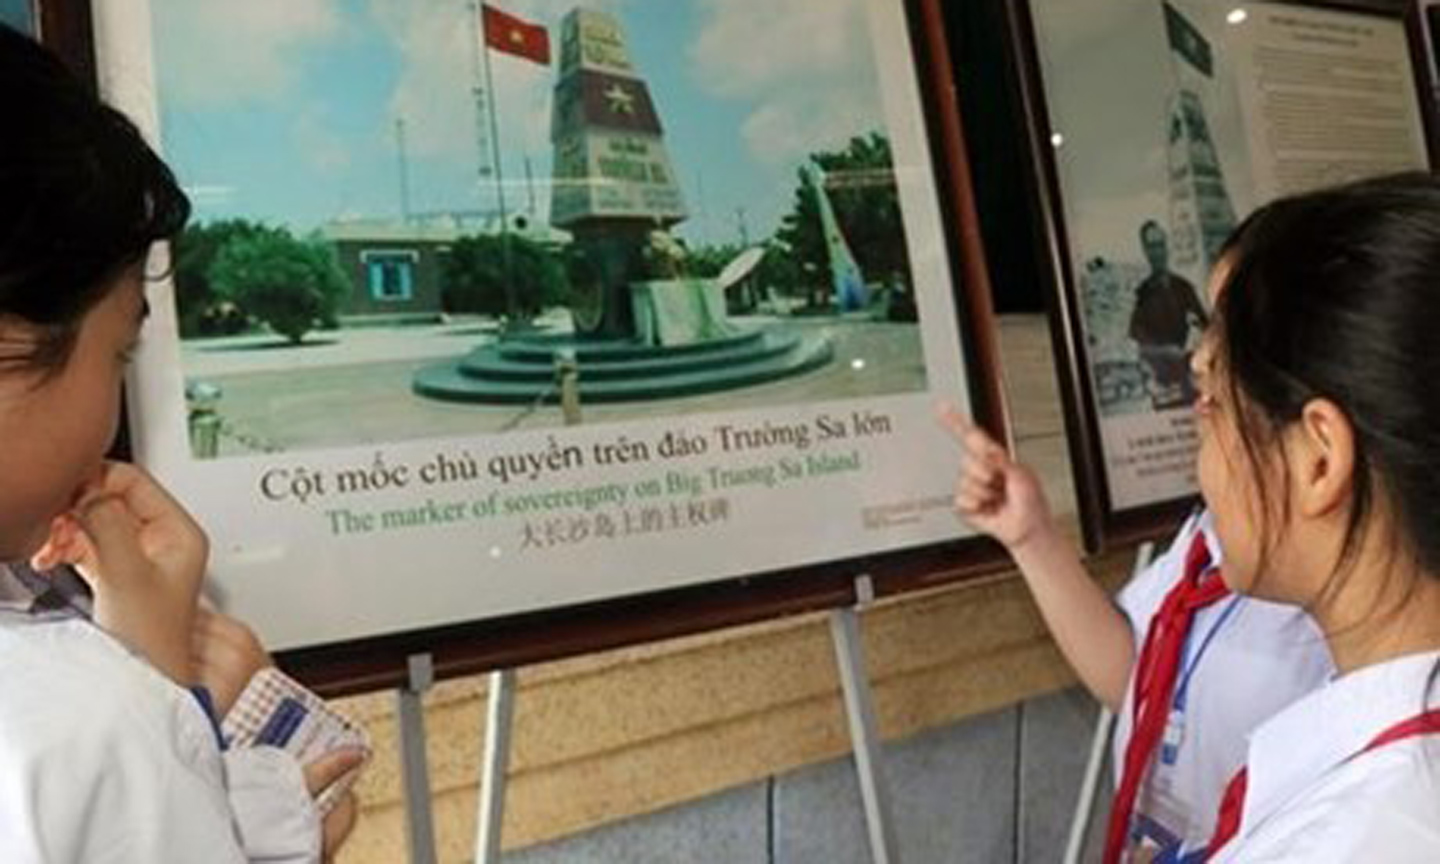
{"x": 1099, "y": 743}
{"x": 864, "y": 736}
{"x": 414, "y": 765}
{"x": 490, "y": 815}
{"x": 859, "y": 708}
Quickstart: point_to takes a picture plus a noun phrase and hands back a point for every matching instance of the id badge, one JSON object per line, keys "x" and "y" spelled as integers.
{"x": 1173, "y": 738}
{"x": 1162, "y": 822}
{"x": 1167, "y": 810}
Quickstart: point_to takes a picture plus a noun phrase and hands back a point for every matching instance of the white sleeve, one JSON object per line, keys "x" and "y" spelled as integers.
{"x": 277, "y": 819}
{"x": 101, "y": 759}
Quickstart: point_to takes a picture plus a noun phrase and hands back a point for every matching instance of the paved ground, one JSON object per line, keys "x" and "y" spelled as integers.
{"x": 352, "y": 387}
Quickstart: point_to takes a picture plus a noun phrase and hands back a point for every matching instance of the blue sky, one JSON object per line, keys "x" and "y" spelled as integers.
{"x": 16, "y": 13}
{"x": 285, "y": 110}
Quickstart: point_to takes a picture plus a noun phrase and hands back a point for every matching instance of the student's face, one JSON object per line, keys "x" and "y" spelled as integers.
{"x": 55, "y": 430}
{"x": 1226, "y": 476}
{"x": 1230, "y": 480}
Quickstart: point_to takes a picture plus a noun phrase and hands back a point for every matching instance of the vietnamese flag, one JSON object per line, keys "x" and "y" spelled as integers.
{"x": 505, "y": 32}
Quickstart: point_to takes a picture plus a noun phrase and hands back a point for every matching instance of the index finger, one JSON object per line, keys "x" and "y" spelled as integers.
{"x": 970, "y": 436}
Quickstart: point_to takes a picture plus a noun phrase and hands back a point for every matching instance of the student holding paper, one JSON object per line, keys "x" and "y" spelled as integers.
{"x": 105, "y": 752}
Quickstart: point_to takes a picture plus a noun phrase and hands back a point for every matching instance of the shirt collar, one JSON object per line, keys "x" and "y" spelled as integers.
{"x": 15, "y": 596}
{"x": 1327, "y": 728}
{"x": 59, "y": 593}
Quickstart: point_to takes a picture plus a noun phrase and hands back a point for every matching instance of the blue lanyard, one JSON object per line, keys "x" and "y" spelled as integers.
{"x": 1187, "y": 671}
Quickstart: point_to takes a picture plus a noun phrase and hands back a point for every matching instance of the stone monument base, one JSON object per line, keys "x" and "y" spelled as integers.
{"x": 679, "y": 312}
{"x": 522, "y": 370}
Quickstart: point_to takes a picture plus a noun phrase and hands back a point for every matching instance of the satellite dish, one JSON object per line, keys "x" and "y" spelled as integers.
{"x": 740, "y": 266}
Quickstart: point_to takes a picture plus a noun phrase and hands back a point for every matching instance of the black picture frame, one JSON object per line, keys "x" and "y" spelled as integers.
{"x": 1424, "y": 21}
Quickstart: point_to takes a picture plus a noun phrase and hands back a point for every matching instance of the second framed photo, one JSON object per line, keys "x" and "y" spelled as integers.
{"x": 1154, "y": 127}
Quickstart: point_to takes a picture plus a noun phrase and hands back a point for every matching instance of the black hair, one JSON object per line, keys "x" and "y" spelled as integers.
{"x": 82, "y": 197}
{"x": 1154, "y": 224}
{"x": 1335, "y": 294}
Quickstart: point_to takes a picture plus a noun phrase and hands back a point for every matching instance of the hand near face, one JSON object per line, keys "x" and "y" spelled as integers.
{"x": 144, "y": 558}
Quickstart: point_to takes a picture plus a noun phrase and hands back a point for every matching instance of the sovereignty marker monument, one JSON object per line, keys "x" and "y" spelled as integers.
{"x": 614, "y": 183}
{"x": 1201, "y": 215}
{"x": 643, "y": 328}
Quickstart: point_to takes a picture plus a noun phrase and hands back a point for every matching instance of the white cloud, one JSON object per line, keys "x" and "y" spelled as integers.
{"x": 750, "y": 46}
{"x": 783, "y": 130}
{"x": 807, "y": 65}
{"x": 439, "y": 45}
{"x": 224, "y": 51}
{"x": 432, "y": 93}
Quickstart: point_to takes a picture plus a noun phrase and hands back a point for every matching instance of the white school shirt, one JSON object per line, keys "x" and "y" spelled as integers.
{"x": 1257, "y": 658}
{"x": 105, "y": 760}
{"x": 1313, "y": 796}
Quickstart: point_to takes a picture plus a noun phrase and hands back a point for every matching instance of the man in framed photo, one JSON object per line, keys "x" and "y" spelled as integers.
{"x": 1167, "y": 310}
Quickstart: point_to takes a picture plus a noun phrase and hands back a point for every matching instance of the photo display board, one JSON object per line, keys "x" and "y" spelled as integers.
{"x": 510, "y": 331}
{"x": 1155, "y": 127}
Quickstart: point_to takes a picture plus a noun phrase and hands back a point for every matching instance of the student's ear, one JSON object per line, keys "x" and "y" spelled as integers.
{"x": 1322, "y": 458}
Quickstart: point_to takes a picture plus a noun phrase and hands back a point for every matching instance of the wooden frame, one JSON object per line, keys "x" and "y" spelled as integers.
{"x": 1424, "y": 21}
{"x": 1105, "y": 524}
{"x": 467, "y": 647}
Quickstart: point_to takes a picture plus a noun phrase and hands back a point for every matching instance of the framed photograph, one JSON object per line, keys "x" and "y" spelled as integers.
{"x": 509, "y": 330}
{"x": 1155, "y": 127}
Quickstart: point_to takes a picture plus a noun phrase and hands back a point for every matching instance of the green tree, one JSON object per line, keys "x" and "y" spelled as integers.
{"x": 706, "y": 262}
{"x": 291, "y": 285}
{"x": 202, "y": 309}
{"x": 474, "y": 276}
{"x": 860, "y": 181}
{"x": 781, "y": 270}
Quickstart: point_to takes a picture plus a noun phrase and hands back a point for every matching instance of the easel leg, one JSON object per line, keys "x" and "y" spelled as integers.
{"x": 859, "y": 707}
{"x": 1089, "y": 787}
{"x": 496, "y": 759}
{"x": 419, "y": 823}
{"x": 1099, "y": 743}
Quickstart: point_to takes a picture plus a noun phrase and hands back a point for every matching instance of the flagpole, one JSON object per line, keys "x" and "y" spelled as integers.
{"x": 477, "y": 90}
{"x": 511, "y": 302}
{"x": 404, "y": 170}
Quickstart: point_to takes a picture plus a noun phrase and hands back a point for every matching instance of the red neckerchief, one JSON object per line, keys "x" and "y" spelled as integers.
{"x": 1232, "y": 805}
{"x": 1154, "y": 682}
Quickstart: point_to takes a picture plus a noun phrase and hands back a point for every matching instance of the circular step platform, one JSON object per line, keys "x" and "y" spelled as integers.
{"x": 521, "y": 370}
